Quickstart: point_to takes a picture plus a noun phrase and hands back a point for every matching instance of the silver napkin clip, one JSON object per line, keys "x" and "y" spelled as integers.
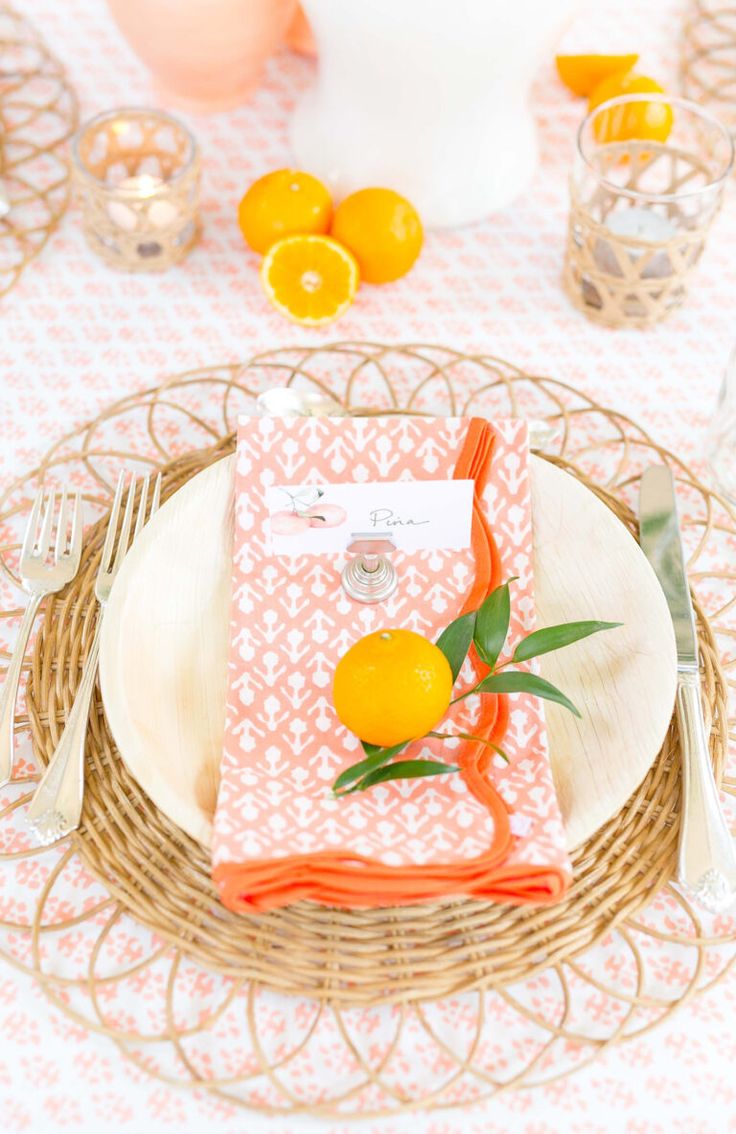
{"x": 370, "y": 576}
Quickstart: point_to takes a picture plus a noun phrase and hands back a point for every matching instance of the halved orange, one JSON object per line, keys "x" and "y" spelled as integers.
{"x": 582, "y": 73}
{"x": 310, "y": 279}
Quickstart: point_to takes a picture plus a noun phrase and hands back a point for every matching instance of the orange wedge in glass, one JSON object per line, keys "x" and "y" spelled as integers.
{"x": 310, "y": 279}
{"x": 582, "y": 73}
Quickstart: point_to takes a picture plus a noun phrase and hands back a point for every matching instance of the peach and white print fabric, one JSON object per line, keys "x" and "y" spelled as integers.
{"x": 291, "y": 622}
{"x": 77, "y": 336}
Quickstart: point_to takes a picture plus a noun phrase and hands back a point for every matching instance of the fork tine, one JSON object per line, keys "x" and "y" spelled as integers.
{"x": 112, "y": 524}
{"x": 31, "y": 537}
{"x": 126, "y": 524}
{"x": 44, "y": 539}
{"x": 156, "y": 500}
{"x": 61, "y": 528}
{"x": 141, "y": 514}
{"x": 77, "y": 529}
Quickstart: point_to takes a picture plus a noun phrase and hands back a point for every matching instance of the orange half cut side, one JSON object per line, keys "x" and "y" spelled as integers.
{"x": 310, "y": 279}
{"x": 582, "y": 73}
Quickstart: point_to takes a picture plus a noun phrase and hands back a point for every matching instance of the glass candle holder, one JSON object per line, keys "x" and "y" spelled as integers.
{"x": 641, "y": 209}
{"x": 708, "y": 59}
{"x": 137, "y": 176}
{"x": 722, "y": 449}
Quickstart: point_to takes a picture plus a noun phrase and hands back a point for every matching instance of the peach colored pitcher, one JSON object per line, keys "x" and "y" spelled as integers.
{"x": 205, "y": 54}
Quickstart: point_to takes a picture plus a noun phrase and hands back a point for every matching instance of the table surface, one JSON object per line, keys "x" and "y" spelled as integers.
{"x": 75, "y": 336}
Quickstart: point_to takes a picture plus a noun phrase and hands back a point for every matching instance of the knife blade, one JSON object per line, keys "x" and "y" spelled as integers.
{"x": 706, "y": 859}
{"x": 661, "y": 543}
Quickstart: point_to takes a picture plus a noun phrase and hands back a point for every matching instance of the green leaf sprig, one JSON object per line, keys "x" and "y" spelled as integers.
{"x": 487, "y": 629}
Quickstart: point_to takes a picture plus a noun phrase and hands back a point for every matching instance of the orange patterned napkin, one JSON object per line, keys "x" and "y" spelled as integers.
{"x": 492, "y": 831}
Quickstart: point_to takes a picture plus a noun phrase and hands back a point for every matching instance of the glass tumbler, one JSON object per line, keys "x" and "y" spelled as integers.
{"x": 641, "y": 208}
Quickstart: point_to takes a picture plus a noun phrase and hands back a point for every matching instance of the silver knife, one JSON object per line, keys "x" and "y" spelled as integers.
{"x": 706, "y": 863}
{"x": 4, "y": 201}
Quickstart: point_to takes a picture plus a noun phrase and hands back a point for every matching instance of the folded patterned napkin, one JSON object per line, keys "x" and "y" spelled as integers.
{"x": 492, "y": 831}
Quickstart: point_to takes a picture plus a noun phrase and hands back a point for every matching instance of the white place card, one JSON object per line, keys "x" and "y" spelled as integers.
{"x": 418, "y": 515}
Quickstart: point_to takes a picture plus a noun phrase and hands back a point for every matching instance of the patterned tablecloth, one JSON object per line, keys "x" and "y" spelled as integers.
{"x": 75, "y": 336}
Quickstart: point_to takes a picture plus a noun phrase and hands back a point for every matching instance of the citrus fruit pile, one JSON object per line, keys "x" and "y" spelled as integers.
{"x": 603, "y": 77}
{"x": 314, "y": 255}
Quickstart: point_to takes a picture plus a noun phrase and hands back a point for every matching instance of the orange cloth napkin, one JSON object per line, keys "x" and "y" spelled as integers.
{"x": 279, "y": 834}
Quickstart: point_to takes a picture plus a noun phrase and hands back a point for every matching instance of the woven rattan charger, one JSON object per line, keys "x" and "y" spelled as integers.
{"x": 376, "y": 957}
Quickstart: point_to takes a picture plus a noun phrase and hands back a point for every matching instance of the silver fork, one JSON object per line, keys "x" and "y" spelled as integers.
{"x": 56, "y": 807}
{"x": 44, "y": 570}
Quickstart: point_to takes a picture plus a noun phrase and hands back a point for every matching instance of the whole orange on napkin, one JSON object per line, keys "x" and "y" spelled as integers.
{"x": 494, "y": 831}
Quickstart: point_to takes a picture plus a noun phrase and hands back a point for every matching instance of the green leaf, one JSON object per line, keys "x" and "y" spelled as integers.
{"x": 473, "y": 737}
{"x": 488, "y": 743}
{"x": 555, "y": 637}
{"x": 406, "y": 770}
{"x": 492, "y": 624}
{"x": 375, "y": 757}
{"x": 512, "y": 681}
{"x": 455, "y": 639}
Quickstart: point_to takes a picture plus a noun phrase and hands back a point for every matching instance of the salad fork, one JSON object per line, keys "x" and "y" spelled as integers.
{"x": 56, "y": 807}
{"x": 45, "y": 567}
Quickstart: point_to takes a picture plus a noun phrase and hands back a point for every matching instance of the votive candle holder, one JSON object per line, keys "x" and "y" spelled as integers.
{"x": 137, "y": 175}
{"x": 640, "y": 208}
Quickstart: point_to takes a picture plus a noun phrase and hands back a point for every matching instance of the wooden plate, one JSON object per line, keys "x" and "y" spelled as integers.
{"x": 164, "y": 647}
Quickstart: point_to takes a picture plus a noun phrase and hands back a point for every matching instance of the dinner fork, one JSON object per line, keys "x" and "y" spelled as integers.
{"x": 56, "y": 807}
{"x": 46, "y": 565}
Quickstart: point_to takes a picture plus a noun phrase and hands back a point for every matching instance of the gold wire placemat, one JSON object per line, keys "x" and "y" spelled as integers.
{"x": 38, "y": 112}
{"x": 361, "y": 962}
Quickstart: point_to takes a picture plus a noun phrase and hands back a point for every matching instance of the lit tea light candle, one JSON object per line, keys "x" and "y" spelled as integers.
{"x": 637, "y": 223}
{"x": 641, "y": 224}
{"x": 145, "y": 184}
{"x": 159, "y": 213}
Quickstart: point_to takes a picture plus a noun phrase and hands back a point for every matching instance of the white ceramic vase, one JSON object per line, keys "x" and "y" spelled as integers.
{"x": 427, "y": 97}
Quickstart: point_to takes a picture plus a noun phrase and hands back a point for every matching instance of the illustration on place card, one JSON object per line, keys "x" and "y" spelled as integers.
{"x": 419, "y": 515}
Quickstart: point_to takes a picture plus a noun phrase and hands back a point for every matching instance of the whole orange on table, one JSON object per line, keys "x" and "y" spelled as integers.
{"x": 382, "y": 230}
{"x": 651, "y": 121}
{"x": 283, "y": 203}
{"x": 309, "y": 279}
{"x": 392, "y": 685}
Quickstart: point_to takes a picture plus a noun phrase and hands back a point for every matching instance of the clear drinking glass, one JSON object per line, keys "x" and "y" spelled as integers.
{"x": 641, "y": 208}
{"x": 723, "y": 433}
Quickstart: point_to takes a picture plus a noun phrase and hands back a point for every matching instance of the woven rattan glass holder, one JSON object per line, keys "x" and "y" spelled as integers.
{"x": 137, "y": 175}
{"x": 641, "y": 210}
